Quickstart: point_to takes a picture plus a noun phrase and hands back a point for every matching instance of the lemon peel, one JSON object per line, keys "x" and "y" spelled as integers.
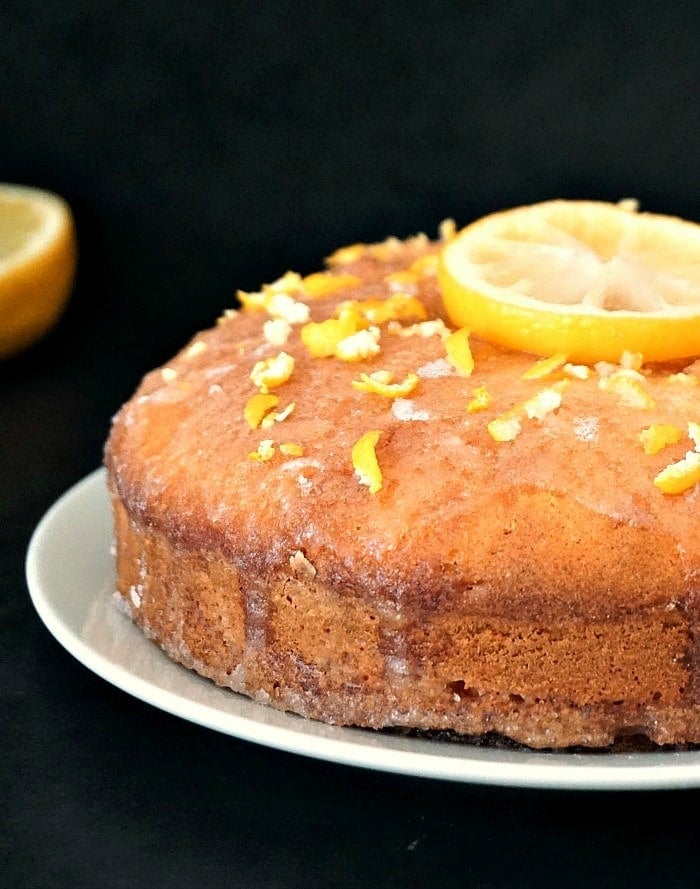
{"x": 198, "y": 347}
{"x": 684, "y": 474}
{"x": 276, "y": 299}
{"x": 480, "y": 400}
{"x": 508, "y": 426}
{"x": 346, "y": 255}
{"x": 381, "y": 383}
{"x": 396, "y": 307}
{"x": 359, "y": 346}
{"x": 628, "y": 389}
{"x": 404, "y": 281}
{"x": 272, "y": 372}
{"x": 680, "y": 476}
{"x": 291, "y": 449}
{"x": 425, "y": 266}
{"x": 658, "y": 436}
{"x": 257, "y": 407}
{"x": 459, "y": 352}
{"x": 264, "y": 452}
{"x": 577, "y": 371}
{"x": 423, "y": 329}
{"x": 320, "y": 284}
{"x": 544, "y": 402}
{"x": 277, "y": 331}
{"x": 365, "y": 463}
{"x": 545, "y": 366}
{"x": 321, "y": 338}
{"x": 277, "y": 416}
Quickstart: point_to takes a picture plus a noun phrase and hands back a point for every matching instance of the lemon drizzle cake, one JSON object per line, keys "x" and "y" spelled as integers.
{"x": 340, "y": 503}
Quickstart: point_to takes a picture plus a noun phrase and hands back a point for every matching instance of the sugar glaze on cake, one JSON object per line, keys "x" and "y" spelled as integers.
{"x": 541, "y": 588}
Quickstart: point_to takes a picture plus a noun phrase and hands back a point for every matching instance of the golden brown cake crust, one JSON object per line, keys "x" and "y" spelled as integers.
{"x": 542, "y": 588}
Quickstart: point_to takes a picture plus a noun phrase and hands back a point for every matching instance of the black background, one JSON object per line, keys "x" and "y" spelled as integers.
{"x": 209, "y": 146}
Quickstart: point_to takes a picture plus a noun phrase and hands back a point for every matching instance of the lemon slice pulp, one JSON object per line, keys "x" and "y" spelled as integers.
{"x": 587, "y": 279}
{"x": 37, "y": 264}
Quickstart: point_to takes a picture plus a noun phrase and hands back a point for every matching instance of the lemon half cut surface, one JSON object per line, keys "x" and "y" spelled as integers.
{"x": 38, "y": 257}
{"x": 587, "y": 279}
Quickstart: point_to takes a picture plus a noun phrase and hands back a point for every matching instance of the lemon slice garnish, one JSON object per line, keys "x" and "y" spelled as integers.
{"x": 37, "y": 264}
{"x": 587, "y": 279}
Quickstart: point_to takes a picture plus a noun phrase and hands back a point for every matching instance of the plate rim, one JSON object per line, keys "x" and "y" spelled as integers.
{"x": 416, "y": 757}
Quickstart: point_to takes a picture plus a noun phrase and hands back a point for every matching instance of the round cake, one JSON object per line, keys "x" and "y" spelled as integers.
{"x": 337, "y": 504}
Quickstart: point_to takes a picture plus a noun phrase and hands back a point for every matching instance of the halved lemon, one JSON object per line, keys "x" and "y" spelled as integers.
{"x": 587, "y": 279}
{"x": 37, "y": 264}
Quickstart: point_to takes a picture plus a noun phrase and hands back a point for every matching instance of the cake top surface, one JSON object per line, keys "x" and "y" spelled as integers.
{"x": 341, "y": 416}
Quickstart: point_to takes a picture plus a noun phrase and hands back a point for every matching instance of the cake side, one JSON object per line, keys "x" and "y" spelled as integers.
{"x": 296, "y": 644}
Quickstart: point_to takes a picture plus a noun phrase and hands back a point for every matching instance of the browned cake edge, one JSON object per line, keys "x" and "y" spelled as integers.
{"x": 296, "y": 644}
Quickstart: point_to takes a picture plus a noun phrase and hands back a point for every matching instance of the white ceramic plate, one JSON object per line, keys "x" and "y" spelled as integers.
{"x": 70, "y": 574}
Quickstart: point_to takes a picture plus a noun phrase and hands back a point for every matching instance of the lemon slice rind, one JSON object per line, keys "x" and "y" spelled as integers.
{"x": 38, "y": 255}
{"x": 485, "y": 281}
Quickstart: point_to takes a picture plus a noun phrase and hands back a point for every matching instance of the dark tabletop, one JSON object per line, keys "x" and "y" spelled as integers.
{"x": 205, "y": 147}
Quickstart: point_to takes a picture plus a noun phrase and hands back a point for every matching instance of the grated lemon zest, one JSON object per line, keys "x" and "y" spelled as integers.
{"x": 277, "y": 416}
{"x": 365, "y": 463}
{"x": 544, "y": 367}
{"x": 359, "y": 346}
{"x": 680, "y": 476}
{"x": 382, "y": 376}
{"x": 425, "y": 265}
{"x": 253, "y": 301}
{"x": 459, "y": 352}
{"x": 276, "y": 331}
{"x": 284, "y": 306}
{"x": 628, "y": 389}
{"x": 288, "y": 283}
{"x": 276, "y": 299}
{"x": 350, "y": 312}
{"x": 291, "y": 449}
{"x": 321, "y": 338}
{"x": 227, "y": 315}
{"x": 345, "y": 255}
{"x": 480, "y": 400}
{"x": 265, "y": 451}
{"x": 380, "y": 383}
{"x": 277, "y": 304}
{"x": 394, "y": 308}
{"x": 423, "y": 329}
{"x": 257, "y": 407}
{"x": 320, "y": 284}
{"x": 197, "y": 347}
{"x": 507, "y": 427}
{"x": 657, "y": 436}
{"x": 272, "y": 372}
{"x": 386, "y": 250}
{"x": 544, "y": 402}
{"x": 405, "y": 280}
{"x": 577, "y": 371}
